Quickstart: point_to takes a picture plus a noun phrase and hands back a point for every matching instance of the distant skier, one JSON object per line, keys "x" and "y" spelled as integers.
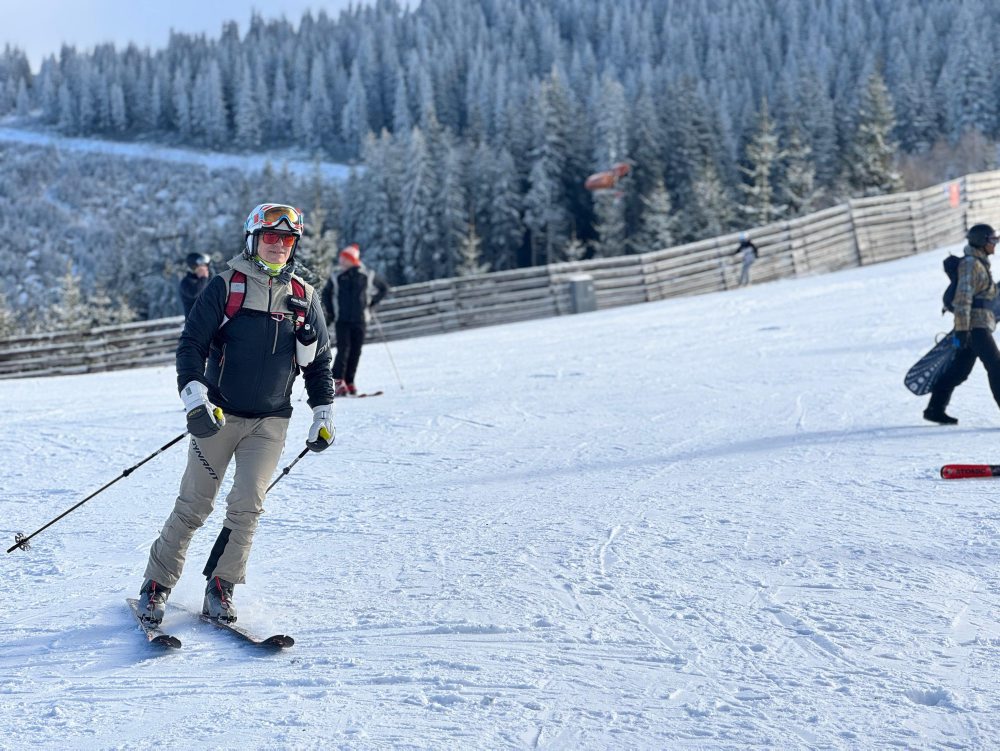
{"x": 195, "y": 280}
{"x": 975, "y": 322}
{"x": 249, "y": 334}
{"x": 749, "y": 253}
{"x": 348, "y": 297}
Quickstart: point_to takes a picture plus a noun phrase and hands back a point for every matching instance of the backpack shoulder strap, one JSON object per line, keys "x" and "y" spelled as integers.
{"x": 236, "y": 292}
{"x": 299, "y": 291}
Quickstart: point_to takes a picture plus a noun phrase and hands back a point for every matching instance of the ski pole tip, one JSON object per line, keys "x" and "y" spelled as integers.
{"x": 20, "y": 541}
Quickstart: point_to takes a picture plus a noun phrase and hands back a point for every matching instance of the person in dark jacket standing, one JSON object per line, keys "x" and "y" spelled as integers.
{"x": 975, "y": 294}
{"x": 748, "y": 252}
{"x": 250, "y": 333}
{"x": 195, "y": 280}
{"x": 348, "y": 296}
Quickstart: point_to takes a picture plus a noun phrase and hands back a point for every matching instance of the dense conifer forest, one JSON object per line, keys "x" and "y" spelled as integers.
{"x": 473, "y": 126}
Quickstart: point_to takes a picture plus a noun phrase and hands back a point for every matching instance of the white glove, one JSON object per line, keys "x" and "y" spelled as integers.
{"x": 322, "y": 432}
{"x": 204, "y": 419}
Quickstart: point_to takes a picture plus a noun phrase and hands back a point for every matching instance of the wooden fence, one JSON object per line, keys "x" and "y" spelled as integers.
{"x": 860, "y": 232}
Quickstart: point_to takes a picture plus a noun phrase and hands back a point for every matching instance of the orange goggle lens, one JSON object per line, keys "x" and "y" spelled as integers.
{"x": 273, "y": 238}
{"x": 276, "y": 214}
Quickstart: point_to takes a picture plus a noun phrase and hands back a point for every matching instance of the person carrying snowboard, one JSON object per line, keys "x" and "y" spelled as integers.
{"x": 975, "y": 292}
{"x": 253, "y": 329}
{"x": 348, "y": 297}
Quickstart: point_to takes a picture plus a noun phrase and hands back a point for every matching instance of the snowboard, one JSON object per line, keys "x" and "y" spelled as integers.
{"x": 920, "y": 379}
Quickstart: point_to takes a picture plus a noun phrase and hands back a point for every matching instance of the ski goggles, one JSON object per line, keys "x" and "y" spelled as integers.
{"x": 274, "y": 215}
{"x": 273, "y": 238}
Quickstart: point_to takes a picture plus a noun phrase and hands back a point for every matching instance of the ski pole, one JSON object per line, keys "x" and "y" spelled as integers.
{"x": 385, "y": 341}
{"x": 20, "y": 541}
{"x": 287, "y": 469}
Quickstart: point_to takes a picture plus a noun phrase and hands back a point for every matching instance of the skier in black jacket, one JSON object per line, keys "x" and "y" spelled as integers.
{"x": 195, "y": 280}
{"x": 348, "y": 296}
{"x": 250, "y": 333}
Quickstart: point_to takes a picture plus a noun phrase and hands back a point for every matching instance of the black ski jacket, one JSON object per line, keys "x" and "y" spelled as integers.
{"x": 190, "y": 287}
{"x": 249, "y": 364}
{"x": 347, "y": 295}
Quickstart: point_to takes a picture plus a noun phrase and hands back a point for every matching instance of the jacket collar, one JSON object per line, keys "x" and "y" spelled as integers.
{"x": 241, "y": 264}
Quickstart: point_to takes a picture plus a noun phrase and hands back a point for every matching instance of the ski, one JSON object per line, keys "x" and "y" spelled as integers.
{"x": 278, "y": 641}
{"x": 154, "y": 634}
{"x": 967, "y": 471}
{"x": 368, "y": 393}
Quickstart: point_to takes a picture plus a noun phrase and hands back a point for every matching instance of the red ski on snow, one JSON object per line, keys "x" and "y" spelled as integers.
{"x": 967, "y": 471}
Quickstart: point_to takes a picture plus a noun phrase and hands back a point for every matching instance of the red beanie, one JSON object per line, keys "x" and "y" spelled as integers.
{"x": 352, "y": 254}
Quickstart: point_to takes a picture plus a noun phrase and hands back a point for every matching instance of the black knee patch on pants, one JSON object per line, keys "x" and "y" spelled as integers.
{"x": 217, "y": 550}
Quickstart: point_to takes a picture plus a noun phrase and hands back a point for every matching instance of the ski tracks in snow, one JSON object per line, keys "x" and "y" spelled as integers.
{"x": 717, "y": 529}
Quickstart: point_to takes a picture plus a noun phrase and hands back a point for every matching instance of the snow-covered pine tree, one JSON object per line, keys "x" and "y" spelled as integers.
{"x": 799, "y": 191}
{"x": 546, "y": 214}
{"x": 609, "y": 210}
{"x": 180, "y": 100}
{"x": 23, "y": 103}
{"x": 760, "y": 204}
{"x": 610, "y": 124}
{"x": 711, "y": 209}
{"x": 379, "y": 228}
{"x": 454, "y": 218}
{"x": 402, "y": 120}
{"x": 354, "y": 118}
{"x": 8, "y": 321}
{"x": 502, "y": 223}
{"x": 421, "y": 241}
{"x": 645, "y": 148}
{"x": 279, "y": 121}
{"x": 574, "y": 250}
{"x": 966, "y": 87}
{"x": 872, "y": 168}
{"x": 815, "y": 113}
{"x": 471, "y": 262}
{"x": 658, "y": 222}
{"x": 103, "y": 311}
{"x": 247, "y": 115}
{"x": 71, "y": 313}
{"x": 208, "y": 108}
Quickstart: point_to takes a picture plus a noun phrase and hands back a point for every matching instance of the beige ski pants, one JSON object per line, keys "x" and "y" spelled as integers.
{"x": 256, "y": 443}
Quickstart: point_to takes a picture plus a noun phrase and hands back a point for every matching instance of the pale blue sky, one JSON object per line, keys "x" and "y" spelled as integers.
{"x": 40, "y": 27}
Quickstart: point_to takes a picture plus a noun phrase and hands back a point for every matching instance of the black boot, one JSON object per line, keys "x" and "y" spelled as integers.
{"x": 939, "y": 416}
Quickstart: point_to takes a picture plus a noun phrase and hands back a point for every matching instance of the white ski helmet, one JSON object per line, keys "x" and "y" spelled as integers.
{"x": 271, "y": 216}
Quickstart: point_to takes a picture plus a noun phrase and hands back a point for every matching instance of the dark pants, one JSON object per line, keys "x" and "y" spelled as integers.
{"x": 982, "y": 346}
{"x": 350, "y": 338}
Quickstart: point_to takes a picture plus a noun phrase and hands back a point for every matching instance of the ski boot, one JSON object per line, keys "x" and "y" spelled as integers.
{"x": 340, "y": 387}
{"x": 219, "y": 600}
{"x": 352, "y": 390}
{"x": 939, "y": 416}
{"x": 152, "y": 601}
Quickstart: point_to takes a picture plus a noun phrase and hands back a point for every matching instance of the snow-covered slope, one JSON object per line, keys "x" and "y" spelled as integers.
{"x": 135, "y": 150}
{"x": 710, "y": 522}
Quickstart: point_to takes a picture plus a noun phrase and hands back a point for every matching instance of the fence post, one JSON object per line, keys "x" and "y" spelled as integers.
{"x": 854, "y": 233}
{"x": 792, "y": 250}
{"x": 915, "y": 217}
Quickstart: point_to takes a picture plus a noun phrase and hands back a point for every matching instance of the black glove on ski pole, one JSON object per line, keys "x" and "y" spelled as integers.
{"x": 20, "y": 541}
